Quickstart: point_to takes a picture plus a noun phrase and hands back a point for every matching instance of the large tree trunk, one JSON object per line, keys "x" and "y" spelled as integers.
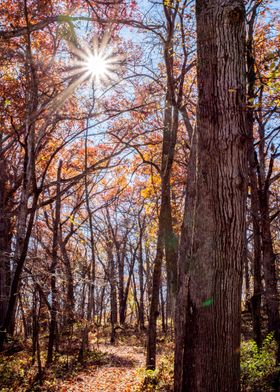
{"x": 213, "y": 233}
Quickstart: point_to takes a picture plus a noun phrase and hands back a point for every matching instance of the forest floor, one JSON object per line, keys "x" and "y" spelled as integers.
{"x": 106, "y": 368}
{"x": 120, "y": 373}
{"x": 120, "y": 367}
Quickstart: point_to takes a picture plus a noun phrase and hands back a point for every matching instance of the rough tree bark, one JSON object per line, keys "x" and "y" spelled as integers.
{"x": 213, "y": 232}
{"x": 5, "y": 239}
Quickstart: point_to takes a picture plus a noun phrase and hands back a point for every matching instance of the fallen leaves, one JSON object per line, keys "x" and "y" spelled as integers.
{"x": 120, "y": 374}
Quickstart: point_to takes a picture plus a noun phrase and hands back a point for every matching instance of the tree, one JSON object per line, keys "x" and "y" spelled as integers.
{"x": 55, "y": 245}
{"x": 213, "y": 233}
{"x": 263, "y": 94}
{"x": 167, "y": 242}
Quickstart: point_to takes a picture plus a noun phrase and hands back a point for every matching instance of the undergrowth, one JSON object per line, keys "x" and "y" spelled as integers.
{"x": 18, "y": 374}
{"x": 258, "y": 370}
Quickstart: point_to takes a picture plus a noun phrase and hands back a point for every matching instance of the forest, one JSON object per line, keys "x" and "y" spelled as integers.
{"x": 140, "y": 195}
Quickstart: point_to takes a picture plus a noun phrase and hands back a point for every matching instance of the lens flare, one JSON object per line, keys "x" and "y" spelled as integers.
{"x": 97, "y": 65}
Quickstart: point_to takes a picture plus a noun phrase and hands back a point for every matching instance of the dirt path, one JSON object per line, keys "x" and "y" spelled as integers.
{"x": 119, "y": 374}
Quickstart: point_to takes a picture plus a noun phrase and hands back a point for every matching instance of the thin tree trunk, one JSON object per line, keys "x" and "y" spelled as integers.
{"x": 247, "y": 284}
{"x": 34, "y": 327}
{"x": 137, "y": 309}
{"x": 167, "y": 240}
{"x": 255, "y": 212}
{"x": 162, "y": 311}
{"x": 120, "y": 251}
{"x": 113, "y": 291}
{"x": 257, "y": 294}
{"x": 141, "y": 282}
{"x": 54, "y": 304}
{"x": 25, "y": 330}
{"x": 269, "y": 258}
{"x": 127, "y": 287}
{"x": 166, "y": 237}
{"x": 91, "y": 298}
{"x": 101, "y": 304}
{"x": 70, "y": 300}
{"x": 29, "y": 186}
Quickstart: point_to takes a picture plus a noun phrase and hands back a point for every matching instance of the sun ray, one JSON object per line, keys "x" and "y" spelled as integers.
{"x": 96, "y": 64}
{"x": 99, "y": 64}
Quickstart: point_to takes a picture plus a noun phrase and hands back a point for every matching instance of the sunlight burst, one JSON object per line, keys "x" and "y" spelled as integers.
{"x": 97, "y": 65}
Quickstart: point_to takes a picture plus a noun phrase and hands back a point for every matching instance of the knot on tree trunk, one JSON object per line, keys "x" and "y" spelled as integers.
{"x": 236, "y": 15}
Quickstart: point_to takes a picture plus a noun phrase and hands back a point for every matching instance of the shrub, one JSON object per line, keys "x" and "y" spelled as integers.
{"x": 161, "y": 379}
{"x": 258, "y": 371}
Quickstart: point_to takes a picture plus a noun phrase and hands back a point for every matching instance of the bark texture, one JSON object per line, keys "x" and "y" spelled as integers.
{"x": 5, "y": 241}
{"x": 213, "y": 233}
